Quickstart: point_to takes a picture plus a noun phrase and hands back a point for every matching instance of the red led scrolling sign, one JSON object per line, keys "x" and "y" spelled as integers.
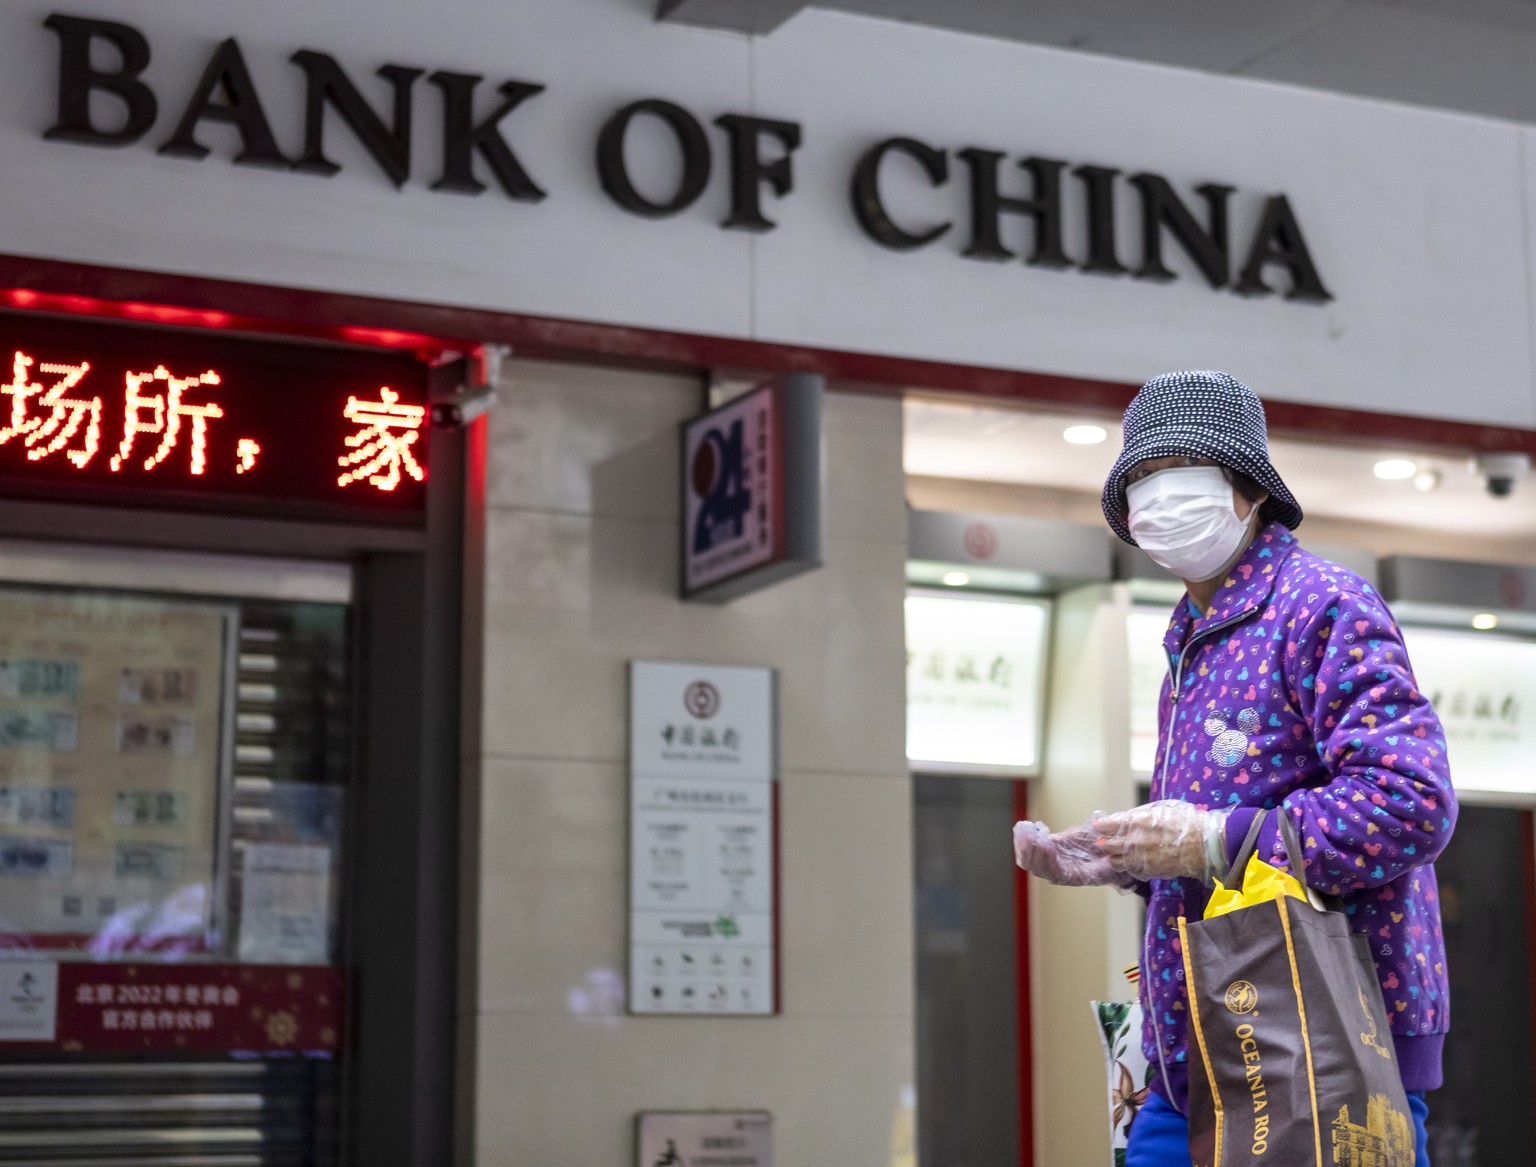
{"x": 212, "y": 419}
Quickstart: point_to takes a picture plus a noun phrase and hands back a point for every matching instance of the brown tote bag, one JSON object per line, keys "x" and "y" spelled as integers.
{"x": 1292, "y": 1062}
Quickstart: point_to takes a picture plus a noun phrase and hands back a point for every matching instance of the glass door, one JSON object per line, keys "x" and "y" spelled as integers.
{"x": 1485, "y": 1115}
{"x": 173, "y": 780}
{"x": 973, "y": 1044}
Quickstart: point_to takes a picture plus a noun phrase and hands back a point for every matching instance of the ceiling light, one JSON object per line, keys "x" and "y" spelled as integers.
{"x": 955, "y": 579}
{"x": 1426, "y": 481}
{"x": 1085, "y": 435}
{"x": 1393, "y": 469}
{"x": 1485, "y": 621}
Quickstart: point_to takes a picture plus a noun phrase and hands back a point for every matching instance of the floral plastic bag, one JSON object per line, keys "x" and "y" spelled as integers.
{"x": 1119, "y": 1026}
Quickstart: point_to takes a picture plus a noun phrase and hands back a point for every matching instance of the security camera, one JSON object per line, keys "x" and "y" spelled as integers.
{"x": 468, "y": 402}
{"x": 1501, "y": 471}
{"x": 462, "y": 408}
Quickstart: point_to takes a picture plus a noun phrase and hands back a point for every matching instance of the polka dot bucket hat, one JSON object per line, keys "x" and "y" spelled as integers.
{"x": 1200, "y": 414}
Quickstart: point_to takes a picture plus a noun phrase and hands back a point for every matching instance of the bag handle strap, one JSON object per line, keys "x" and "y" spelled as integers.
{"x": 1297, "y": 854}
{"x": 1234, "y": 876}
{"x": 1294, "y": 851}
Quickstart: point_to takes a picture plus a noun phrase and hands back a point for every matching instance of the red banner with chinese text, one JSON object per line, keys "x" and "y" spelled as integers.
{"x": 251, "y": 1008}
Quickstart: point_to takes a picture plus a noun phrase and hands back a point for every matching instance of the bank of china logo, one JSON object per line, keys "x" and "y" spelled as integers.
{"x": 1231, "y": 745}
{"x": 1242, "y": 997}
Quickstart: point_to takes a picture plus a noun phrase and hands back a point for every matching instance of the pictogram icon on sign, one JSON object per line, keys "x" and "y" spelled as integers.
{"x": 981, "y": 541}
{"x": 702, "y": 700}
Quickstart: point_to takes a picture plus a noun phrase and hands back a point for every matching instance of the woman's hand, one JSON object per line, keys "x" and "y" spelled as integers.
{"x": 1069, "y": 859}
{"x": 1167, "y": 839}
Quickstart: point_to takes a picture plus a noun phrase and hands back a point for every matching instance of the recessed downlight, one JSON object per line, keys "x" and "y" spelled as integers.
{"x": 1395, "y": 469}
{"x": 955, "y": 579}
{"x": 1485, "y": 621}
{"x": 1085, "y": 435}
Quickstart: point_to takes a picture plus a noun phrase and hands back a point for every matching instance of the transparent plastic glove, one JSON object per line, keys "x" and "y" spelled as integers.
{"x": 1167, "y": 839}
{"x": 1069, "y": 859}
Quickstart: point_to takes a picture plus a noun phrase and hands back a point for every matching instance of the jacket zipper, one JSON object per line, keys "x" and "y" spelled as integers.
{"x": 1176, "y": 677}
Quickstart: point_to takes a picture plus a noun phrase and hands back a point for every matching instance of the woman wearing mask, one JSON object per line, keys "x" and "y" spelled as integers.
{"x": 1288, "y": 687}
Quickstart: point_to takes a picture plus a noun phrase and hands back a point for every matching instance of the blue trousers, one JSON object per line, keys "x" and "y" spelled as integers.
{"x": 1160, "y": 1135}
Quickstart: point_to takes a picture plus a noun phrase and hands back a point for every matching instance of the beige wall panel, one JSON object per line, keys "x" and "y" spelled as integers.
{"x": 574, "y": 440}
{"x": 559, "y": 435}
{"x": 865, "y": 492}
{"x": 1078, "y": 935}
{"x": 580, "y": 577}
{"x": 552, "y": 926}
{"x": 570, "y": 600}
{"x": 553, "y": 905}
{"x": 846, "y": 879}
{"x": 563, "y": 1091}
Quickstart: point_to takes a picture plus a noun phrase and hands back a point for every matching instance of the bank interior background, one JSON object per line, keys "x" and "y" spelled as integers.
{"x": 1034, "y": 661}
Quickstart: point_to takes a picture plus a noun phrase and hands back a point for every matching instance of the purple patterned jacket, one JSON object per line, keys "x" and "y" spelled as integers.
{"x": 1294, "y": 690}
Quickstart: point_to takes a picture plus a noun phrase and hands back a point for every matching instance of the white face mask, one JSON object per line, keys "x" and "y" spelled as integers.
{"x": 1184, "y": 518}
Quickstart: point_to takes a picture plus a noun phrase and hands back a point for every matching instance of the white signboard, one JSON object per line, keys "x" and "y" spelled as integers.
{"x": 285, "y": 904}
{"x": 1363, "y": 178}
{"x": 1144, "y": 631}
{"x": 725, "y": 1138}
{"x": 29, "y": 1000}
{"x": 1484, "y": 689}
{"x": 703, "y": 760}
{"x": 975, "y": 682}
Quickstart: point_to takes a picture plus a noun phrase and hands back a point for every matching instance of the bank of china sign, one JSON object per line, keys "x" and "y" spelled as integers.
{"x": 975, "y": 683}
{"x": 103, "y": 63}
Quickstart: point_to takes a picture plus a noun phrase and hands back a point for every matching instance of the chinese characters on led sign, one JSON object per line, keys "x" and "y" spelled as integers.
{"x": 134, "y": 411}
{"x": 379, "y": 450}
{"x": 382, "y": 446}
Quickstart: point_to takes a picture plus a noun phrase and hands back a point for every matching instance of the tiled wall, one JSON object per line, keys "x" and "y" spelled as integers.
{"x": 580, "y": 552}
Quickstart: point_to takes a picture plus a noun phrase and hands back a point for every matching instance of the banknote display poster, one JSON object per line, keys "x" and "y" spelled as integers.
{"x": 114, "y": 714}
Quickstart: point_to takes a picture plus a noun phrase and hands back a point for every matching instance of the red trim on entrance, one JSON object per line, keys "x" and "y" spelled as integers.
{"x": 776, "y": 805}
{"x": 1528, "y": 871}
{"x": 188, "y": 300}
{"x": 1026, "y": 1033}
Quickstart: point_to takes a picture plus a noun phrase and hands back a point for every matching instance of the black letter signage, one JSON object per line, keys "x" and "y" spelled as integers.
{"x": 78, "y": 78}
{"x": 869, "y": 208}
{"x": 749, "y": 171}
{"x": 613, "y": 171}
{"x": 326, "y": 85}
{"x": 462, "y": 136}
{"x": 1099, "y": 191}
{"x": 1160, "y": 207}
{"x": 241, "y": 108}
{"x": 987, "y": 206}
{"x": 102, "y": 58}
{"x": 1278, "y": 240}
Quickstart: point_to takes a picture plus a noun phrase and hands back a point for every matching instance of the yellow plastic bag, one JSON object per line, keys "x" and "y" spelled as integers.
{"x": 1261, "y": 883}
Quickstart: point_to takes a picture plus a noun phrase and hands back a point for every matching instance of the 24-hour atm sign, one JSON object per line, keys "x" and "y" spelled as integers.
{"x": 107, "y": 96}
